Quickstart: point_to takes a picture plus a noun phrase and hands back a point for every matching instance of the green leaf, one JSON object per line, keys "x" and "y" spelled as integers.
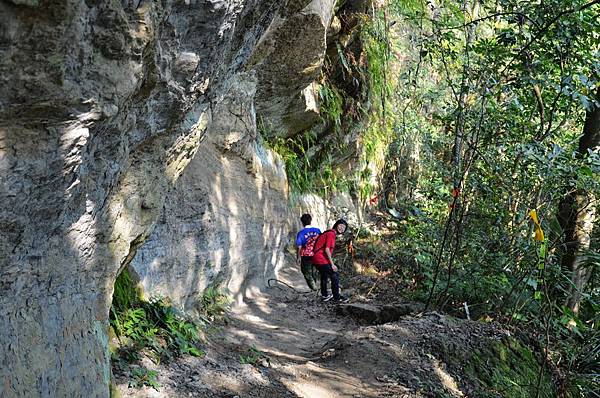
{"x": 533, "y": 283}
{"x": 586, "y": 170}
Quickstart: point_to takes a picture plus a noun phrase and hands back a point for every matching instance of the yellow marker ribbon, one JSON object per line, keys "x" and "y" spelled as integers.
{"x": 539, "y": 233}
{"x": 539, "y": 236}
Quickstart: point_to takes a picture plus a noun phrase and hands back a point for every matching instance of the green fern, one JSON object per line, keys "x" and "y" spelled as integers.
{"x": 155, "y": 325}
{"x": 214, "y": 304}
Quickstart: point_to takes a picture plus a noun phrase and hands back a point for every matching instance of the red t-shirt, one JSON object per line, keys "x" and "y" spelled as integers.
{"x": 326, "y": 239}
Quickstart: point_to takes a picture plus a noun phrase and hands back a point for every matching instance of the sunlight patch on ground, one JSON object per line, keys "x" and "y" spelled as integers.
{"x": 245, "y": 334}
{"x": 246, "y": 304}
{"x": 447, "y": 380}
{"x": 308, "y": 389}
{"x": 311, "y": 380}
{"x": 325, "y": 331}
{"x": 283, "y": 355}
{"x": 260, "y": 321}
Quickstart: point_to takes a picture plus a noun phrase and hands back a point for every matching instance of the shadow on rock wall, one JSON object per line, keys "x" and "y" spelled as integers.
{"x": 226, "y": 221}
{"x": 101, "y": 108}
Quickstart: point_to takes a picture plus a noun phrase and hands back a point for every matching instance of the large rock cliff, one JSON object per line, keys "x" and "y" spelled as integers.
{"x": 102, "y": 107}
{"x": 226, "y": 221}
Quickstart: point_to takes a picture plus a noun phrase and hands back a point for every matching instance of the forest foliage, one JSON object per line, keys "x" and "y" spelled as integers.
{"x": 477, "y": 125}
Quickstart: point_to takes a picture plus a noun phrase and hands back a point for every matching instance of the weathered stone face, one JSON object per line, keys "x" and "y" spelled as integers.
{"x": 288, "y": 59}
{"x": 226, "y": 220}
{"x": 102, "y": 106}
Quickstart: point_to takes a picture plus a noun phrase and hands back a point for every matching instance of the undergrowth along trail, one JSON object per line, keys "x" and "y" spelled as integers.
{"x": 282, "y": 344}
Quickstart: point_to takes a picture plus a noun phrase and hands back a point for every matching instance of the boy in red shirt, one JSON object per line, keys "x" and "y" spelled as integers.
{"x": 322, "y": 258}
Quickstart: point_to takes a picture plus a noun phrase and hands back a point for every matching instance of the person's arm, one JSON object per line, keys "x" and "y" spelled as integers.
{"x": 299, "y": 244}
{"x": 328, "y": 255}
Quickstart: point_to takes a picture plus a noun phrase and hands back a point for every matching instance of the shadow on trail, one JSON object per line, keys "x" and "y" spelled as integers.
{"x": 314, "y": 352}
{"x": 293, "y": 330}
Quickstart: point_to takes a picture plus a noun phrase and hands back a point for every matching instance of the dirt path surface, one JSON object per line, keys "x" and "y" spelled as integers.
{"x": 282, "y": 344}
{"x": 284, "y": 337}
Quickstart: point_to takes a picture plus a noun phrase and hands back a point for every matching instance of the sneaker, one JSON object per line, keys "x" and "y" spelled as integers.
{"x": 342, "y": 299}
{"x": 327, "y": 298}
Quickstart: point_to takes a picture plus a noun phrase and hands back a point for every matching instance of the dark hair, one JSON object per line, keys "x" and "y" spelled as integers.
{"x": 306, "y": 219}
{"x": 338, "y": 222}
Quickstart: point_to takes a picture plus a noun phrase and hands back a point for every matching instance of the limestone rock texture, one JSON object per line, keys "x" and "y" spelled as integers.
{"x": 226, "y": 221}
{"x": 326, "y": 212}
{"x": 288, "y": 59}
{"x": 119, "y": 116}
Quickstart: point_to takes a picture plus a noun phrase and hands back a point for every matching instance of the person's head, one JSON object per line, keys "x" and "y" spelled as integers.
{"x": 306, "y": 219}
{"x": 340, "y": 226}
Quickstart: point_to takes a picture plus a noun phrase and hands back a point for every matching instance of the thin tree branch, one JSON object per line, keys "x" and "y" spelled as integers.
{"x": 498, "y": 14}
{"x": 544, "y": 30}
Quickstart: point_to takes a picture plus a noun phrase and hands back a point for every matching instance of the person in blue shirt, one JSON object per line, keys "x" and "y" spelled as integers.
{"x": 305, "y": 240}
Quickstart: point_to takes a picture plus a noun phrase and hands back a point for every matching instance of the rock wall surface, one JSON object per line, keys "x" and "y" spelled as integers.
{"x": 226, "y": 221}
{"x": 326, "y": 212}
{"x": 287, "y": 60}
{"x": 102, "y": 107}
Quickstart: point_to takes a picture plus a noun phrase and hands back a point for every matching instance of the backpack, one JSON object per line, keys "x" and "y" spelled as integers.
{"x": 307, "y": 241}
{"x": 317, "y": 239}
{"x": 310, "y": 243}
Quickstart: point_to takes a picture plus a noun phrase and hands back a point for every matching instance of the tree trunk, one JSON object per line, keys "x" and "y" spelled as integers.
{"x": 577, "y": 212}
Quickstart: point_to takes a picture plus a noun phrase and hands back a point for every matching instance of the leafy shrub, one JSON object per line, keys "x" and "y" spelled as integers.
{"x": 214, "y": 304}
{"x": 144, "y": 377}
{"x": 253, "y": 357}
{"x": 331, "y": 105}
{"x": 584, "y": 367}
{"x": 154, "y": 325}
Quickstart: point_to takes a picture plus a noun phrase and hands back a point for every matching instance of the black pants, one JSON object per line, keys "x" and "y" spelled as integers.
{"x": 327, "y": 272}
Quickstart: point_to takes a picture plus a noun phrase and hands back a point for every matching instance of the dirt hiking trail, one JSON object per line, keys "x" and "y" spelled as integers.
{"x": 282, "y": 344}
